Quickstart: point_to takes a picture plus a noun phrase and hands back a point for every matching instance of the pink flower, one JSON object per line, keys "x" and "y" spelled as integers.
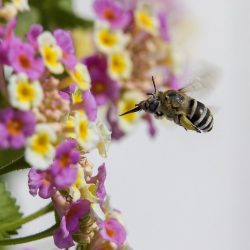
{"x": 99, "y": 180}
{"x": 113, "y": 12}
{"x": 22, "y": 57}
{"x": 112, "y": 230}
{"x": 41, "y": 182}
{"x": 61, "y": 174}
{"x": 62, "y": 168}
{"x": 70, "y": 223}
{"x": 34, "y": 32}
{"x": 16, "y": 127}
{"x": 64, "y": 40}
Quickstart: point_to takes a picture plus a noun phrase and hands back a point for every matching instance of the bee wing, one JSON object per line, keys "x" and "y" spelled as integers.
{"x": 203, "y": 82}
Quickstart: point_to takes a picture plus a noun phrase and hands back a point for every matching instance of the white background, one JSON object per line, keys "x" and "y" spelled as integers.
{"x": 187, "y": 191}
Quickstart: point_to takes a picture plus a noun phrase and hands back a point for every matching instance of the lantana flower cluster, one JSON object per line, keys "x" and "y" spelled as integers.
{"x": 51, "y": 114}
{"x": 133, "y": 43}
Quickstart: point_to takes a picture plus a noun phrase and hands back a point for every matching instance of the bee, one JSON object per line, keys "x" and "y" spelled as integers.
{"x": 179, "y": 107}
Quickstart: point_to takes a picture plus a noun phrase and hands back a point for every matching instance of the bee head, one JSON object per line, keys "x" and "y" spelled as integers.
{"x": 150, "y": 105}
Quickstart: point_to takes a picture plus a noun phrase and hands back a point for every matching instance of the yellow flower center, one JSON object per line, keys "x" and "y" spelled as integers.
{"x": 50, "y": 56}
{"x": 83, "y": 130}
{"x": 118, "y": 64}
{"x": 109, "y": 14}
{"x": 98, "y": 88}
{"x": 107, "y": 38}
{"x": 77, "y": 96}
{"x": 14, "y": 127}
{"x": 25, "y": 92}
{"x": 41, "y": 143}
{"x": 24, "y": 61}
{"x": 110, "y": 232}
{"x": 129, "y": 104}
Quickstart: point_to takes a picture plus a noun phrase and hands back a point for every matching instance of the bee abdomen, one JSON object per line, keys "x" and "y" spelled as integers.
{"x": 200, "y": 116}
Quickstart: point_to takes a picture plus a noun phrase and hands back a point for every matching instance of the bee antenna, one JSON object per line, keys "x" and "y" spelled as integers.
{"x": 154, "y": 84}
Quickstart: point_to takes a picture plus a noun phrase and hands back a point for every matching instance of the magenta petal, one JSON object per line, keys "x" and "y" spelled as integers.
{"x": 65, "y": 178}
{"x": 90, "y": 105}
{"x": 62, "y": 237}
{"x": 16, "y": 141}
{"x": 3, "y": 137}
{"x": 34, "y": 32}
{"x": 118, "y": 232}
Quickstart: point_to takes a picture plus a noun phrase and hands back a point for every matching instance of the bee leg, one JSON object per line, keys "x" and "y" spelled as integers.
{"x": 187, "y": 124}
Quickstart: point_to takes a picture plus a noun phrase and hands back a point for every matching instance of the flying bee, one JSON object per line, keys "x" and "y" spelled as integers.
{"x": 177, "y": 106}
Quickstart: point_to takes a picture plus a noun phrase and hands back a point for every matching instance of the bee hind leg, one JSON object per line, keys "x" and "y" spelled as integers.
{"x": 187, "y": 124}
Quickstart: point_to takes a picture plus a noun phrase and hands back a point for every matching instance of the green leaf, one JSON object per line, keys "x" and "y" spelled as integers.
{"x": 12, "y": 160}
{"x": 9, "y": 211}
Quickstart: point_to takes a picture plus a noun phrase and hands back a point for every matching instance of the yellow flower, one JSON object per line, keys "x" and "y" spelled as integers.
{"x": 21, "y": 5}
{"x": 40, "y": 150}
{"x": 127, "y": 102}
{"x": 50, "y": 52}
{"x": 86, "y": 132}
{"x": 81, "y": 189}
{"x": 24, "y": 94}
{"x": 146, "y": 20}
{"x": 119, "y": 65}
{"x": 81, "y": 76}
{"x": 108, "y": 40}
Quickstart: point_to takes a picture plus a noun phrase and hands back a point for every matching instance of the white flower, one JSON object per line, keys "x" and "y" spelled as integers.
{"x": 119, "y": 65}
{"x": 86, "y": 132}
{"x": 104, "y": 139}
{"x": 24, "y": 94}
{"x": 21, "y": 5}
{"x": 108, "y": 40}
{"x": 81, "y": 189}
{"x": 81, "y": 76}
{"x": 51, "y": 52}
{"x": 147, "y": 20}
{"x": 127, "y": 102}
{"x": 40, "y": 151}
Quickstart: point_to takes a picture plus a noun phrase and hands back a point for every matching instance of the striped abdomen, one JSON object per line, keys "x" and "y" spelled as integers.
{"x": 200, "y": 116}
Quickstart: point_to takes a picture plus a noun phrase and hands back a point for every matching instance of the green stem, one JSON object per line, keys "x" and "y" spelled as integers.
{"x": 16, "y": 224}
{"x": 44, "y": 234}
{"x": 17, "y": 164}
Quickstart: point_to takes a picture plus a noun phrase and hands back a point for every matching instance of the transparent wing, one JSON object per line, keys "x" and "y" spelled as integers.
{"x": 204, "y": 80}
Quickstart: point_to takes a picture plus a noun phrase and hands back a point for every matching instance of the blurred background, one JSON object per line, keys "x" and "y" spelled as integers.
{"x": 184, "y": 190}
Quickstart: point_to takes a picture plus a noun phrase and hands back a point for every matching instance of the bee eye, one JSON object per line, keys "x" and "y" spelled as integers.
{"x": 153, "y": 106}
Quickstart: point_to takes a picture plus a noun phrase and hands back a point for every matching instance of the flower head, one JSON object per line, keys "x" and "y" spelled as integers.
{"x": 63, "y": 168}
{"x": 113, "y": 12}
{"x": 17, "y": 126}
{"x": 64, "y": 40}
{"x": 24, "y": 94}
{"x": 103, "y": 87}
{"x": 112, "y": 230}
{"x": 41, "y": 182}
{"x": 146, "y": 20}
{"x": 80, "y": 76}
{"x": 34, "y": 31}
{"x": 21, "y": 5}
{"x": 70, "y": 223}
{"x": 51, "y": 52}
{"x": 119, "y": 65}
{"x": 86, "y": 132}
{"x": 108, "y": 40}
{"x": 40, "y": 150}
{"x": 127, "y": 102}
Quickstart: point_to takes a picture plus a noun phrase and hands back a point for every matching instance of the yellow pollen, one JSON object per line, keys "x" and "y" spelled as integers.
{"x": 84, "y": 131}
{"x": 25, "y": 92}
{"x": 109, "y": 14}
{"x": 98, "y": 88}
{"x": 144, "y": 19}
{"x": 24, "y": 61}
{"x": 50, "y": 56}
{"x": 41, "y": 143}
{"x": 118, "y": 64}
{"x": 128, "y": 105}
{"x": 107, "y": 38}
{"x": 14, "y": 127}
